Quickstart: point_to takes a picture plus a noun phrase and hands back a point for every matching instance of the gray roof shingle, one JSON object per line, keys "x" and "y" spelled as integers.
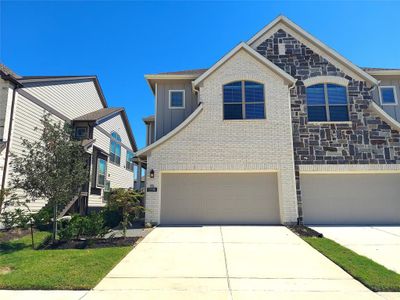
{"x": 99, "y": 114}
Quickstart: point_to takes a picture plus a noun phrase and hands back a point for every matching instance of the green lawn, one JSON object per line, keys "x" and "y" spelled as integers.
{"x": 375, "y": 276}
{"x": 54, "y": 269}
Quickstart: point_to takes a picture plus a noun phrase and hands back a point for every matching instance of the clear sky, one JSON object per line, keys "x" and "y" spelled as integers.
{"x": 120, "y": 41}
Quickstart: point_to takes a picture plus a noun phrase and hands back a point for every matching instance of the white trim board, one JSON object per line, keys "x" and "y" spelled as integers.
{"x": 313, "y": 43}
{"x": 394, "y": 93}
{"x": 288, "y": 78}
{"x": 171, "y": 133}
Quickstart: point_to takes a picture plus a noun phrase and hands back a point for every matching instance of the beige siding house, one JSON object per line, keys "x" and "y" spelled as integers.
{"x": 78, "y": 100}
{"x": 280, "y": 130}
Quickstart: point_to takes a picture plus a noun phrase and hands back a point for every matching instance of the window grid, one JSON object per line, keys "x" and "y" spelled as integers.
{"x": 243, "y": 102}
{"x": 327, "y": 105}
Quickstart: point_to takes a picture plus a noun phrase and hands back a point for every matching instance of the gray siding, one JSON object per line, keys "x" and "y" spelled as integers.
{"x": 392, "y": 110}
{"x": 167, "y": 119}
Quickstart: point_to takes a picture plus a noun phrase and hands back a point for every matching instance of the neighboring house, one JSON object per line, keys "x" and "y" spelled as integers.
{"x": 280, "y": 130}
{"x": 105, "y": 132}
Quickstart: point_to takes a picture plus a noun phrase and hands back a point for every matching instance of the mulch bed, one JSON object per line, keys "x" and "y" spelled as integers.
{"x": 304, "y": 231}
{"x": 12, "y": 234}
{"x": 92, "y": 243}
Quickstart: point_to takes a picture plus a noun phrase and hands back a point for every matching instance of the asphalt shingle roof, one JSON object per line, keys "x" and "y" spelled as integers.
{"x": 99, "y": 114}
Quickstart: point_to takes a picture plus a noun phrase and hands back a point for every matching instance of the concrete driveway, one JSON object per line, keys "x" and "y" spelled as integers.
{"x": 229, "y": 262}
{"x": 379, "y": 243}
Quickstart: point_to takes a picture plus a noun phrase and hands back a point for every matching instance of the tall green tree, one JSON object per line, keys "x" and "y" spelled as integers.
{"x": 53, "y": 168}
{"x": 129, "y": 202}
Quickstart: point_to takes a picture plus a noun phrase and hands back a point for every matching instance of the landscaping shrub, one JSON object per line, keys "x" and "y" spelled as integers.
{"x": 15, "y": 218}
{"x": 112, "y": 217}
{"x": 91, "y": 226}
{"x": 43, "y": 218}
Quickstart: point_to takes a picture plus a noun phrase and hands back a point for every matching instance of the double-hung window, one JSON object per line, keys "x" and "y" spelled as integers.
{"x": 244, "y": 100}
{"x": 388, "y": 95}
{"x": 129, "y": 160}
{"x": 101, "y": 172}
{"x": 327, "y": 102}
{"x": 115, "y": 148}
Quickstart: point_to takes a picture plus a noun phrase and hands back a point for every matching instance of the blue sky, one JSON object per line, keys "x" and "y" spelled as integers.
{"x": 120, "y": 41}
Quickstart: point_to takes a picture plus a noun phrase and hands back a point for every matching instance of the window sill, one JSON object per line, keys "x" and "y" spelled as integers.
{"x": 331, "y": 122}
{"x": 114, "y": 163}
{"x": 245, "y": 120}
{"x": 389, "y": 104}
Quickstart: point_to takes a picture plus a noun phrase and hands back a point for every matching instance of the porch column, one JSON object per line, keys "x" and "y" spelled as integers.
{"x": 138, "y": 175}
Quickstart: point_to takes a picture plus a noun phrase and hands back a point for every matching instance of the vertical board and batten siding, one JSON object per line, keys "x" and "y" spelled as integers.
{"x": 26, "y": 119}
{"x": 167, "y": 119}
{"x": 71, "y": 98}
{"x": 392, "y": 110}
{"x": 119, "y": 176}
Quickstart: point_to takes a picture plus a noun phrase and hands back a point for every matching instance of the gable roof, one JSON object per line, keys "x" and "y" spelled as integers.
{"x": 55, "y": 79}
{"x": 103, "y": 114}
{"x": 98, "y": 115}
{"x": 7, "y": 71}
{"x": 252, "y": 52}
{"x": 313, "y": 43}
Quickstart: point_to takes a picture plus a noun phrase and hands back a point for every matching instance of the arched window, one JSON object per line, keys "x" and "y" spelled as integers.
{"x": 327, "y": 102}
{"x": 244, "y": 100}
{"x": 115, "y": 148}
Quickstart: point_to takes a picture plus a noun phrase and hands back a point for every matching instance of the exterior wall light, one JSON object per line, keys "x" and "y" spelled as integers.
{"x": 151, "y": 173}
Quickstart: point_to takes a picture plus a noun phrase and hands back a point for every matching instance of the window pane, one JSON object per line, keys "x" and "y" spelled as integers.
{"x": 336, "y": 94}
{"x": 233, "y": 92}
{"x": 254, "y": 92}
{"x": 317, "y": 113}
{"x": 118, "y": 150}
{"x": 255, "y": 111}
{"x": 176, "y": 99}
{"x": 388, "y": 95}
{"x": 116, "y": 136}
{"x": 316, "y": 95}
{"x": 101, "y": 180}
{"x": 339, "y": 113}
{"x": 232, "y": 111}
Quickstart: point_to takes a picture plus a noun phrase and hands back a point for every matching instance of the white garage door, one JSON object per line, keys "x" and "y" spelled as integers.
{"x": 363, "y": 199}
{"x": 219, "y": 198}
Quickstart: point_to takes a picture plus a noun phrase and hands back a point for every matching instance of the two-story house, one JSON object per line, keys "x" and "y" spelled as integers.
{"x": 78, "y": 100}
{"x": 280, "y": 130}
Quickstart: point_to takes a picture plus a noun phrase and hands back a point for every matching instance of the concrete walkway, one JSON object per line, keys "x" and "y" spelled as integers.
{"x": 229, "y": 262}
{"x": 381, "y": 244}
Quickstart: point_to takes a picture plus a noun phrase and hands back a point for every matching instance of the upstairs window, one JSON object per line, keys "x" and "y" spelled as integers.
{"x": 244, "y": 100}
{"x": 81, "y": 133}
{"x": 115, "y": 148}
{"x": 388, "y": 95}
{"x": 327, "y": 103}
{"x": 129, "y": 160}
{"x": 176, "y": 99}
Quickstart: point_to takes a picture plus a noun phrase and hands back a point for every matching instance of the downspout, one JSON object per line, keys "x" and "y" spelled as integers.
{"x": 17, "y": 85}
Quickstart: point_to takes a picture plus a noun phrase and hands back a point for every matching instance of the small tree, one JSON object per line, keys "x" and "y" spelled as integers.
{"x": 129, "y": 201}
{"x": 53, "y": 168}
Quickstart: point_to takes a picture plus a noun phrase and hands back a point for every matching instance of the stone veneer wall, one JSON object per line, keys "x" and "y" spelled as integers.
{"x": 366, "y": 140}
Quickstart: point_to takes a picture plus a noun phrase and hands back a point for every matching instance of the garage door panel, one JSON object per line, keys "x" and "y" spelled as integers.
{"x": 219, "y": 198}
{"x": 354, "y": 199}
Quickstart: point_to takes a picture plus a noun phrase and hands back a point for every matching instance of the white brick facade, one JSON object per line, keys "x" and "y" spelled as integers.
{"x": 209, "y": 143}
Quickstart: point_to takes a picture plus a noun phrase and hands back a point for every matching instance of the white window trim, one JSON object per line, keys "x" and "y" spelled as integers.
{"x": 97, "y": 174}
{"x": 328, "y": 114}
{"x": 394, "y": 93}
{"x": 243, "y": 81}
{"x": 183, "y": 102}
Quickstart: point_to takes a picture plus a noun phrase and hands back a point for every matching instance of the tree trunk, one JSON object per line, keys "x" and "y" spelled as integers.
{"x": 124, "y": 221}
{"x": 33, "y": 241}
{"x": 54, "y": 235}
